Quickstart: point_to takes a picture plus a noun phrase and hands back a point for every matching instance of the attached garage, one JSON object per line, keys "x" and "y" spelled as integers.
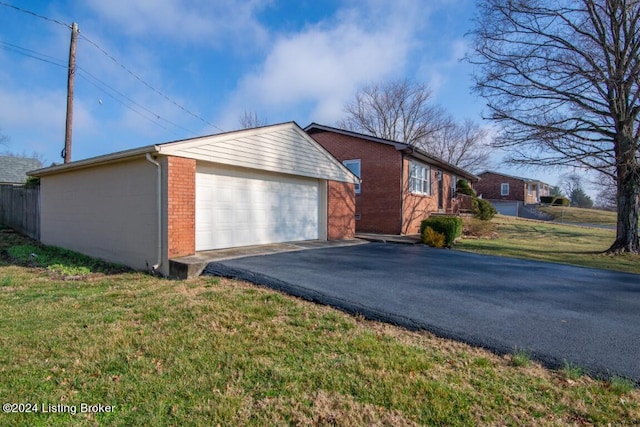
{"x": 242, "y": 207}
{"x": 144, "y": 206}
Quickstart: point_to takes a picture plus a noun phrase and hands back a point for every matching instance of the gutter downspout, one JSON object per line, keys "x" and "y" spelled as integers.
{"x": 155, "y": 267}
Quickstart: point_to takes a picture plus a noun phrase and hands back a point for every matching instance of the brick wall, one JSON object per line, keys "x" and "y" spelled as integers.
{"x": 417, "y": 207}
{"x": 379, "y": 202}
{"x": 181, "y": 209}
{"x": 490, "y": 183}
{"x": 341, "y": 210}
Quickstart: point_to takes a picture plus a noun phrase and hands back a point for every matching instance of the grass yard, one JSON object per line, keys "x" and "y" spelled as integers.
{"x": 542, "y": 241}
{"x": 213, "y": 351}
{"x": 580, "y": 215}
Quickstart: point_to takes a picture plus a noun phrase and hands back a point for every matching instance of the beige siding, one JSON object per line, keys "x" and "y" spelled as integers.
{"x": 282, "y": 148}
{"x": 108, "y": 212}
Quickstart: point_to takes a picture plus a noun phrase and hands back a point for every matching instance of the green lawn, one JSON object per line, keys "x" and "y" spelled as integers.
{"x": 580, "y": 215}
{"x": 212, "y": 351}
{"x": 565, "y": 244}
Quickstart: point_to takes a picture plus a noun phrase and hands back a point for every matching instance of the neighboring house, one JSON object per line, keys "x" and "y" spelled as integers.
{"x": 400, "y": 184}
{"x": 145, "y": 206}
{"x": 507, "y": 193}
{"x": 13, "y": 170}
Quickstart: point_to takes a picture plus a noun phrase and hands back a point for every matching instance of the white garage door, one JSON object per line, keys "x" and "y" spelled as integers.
{"x": 236, "y": 207}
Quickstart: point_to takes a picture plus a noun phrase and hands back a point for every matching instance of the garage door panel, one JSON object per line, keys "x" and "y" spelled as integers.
{"x": 243, "y": 207}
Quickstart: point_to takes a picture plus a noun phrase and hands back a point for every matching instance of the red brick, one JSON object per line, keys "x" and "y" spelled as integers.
{"x": 181, "y": 187}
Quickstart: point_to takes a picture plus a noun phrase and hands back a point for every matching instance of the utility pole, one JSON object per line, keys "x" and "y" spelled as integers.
{"x": 66, "y": 153}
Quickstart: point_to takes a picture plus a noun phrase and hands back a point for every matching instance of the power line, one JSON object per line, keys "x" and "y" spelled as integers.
{"x": 32, "y": 54}
{"x": 88, "y": 77}
{"x": 105, "y": 85}
{"x": 108, "y": 55}
{"x": 28, "y": 12}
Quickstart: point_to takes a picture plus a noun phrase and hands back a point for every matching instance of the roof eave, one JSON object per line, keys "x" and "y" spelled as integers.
{"x": 107, "y": 158}
{"x": 420, "y": 155}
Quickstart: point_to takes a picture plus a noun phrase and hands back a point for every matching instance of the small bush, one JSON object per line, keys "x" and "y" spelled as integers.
{"x": 450, "y": 226}
{"x": 561, "y": 201}
{"x": 483, "y": 210}
{"x": 433, "y": 238}
{"x": 547, "y": 199}
{"x": 463, "y": 187}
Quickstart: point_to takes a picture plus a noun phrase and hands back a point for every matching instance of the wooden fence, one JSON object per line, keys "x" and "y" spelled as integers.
{"x": 20, "y": 209}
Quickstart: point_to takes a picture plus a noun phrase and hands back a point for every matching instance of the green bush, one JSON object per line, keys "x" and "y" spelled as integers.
{"x": 561, "y": 201}
{"x": 450, "y": 226}
{"x": 463, "y": 187}
{"x": 432, "y": 238}
{"x": 547, "y": 199}
{"x": 483, "y": 210}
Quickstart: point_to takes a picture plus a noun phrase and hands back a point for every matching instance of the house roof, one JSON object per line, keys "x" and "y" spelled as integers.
{"x": 281, "y": 148}
{"x": 400, "y": 146}
{"x": 512, "y": 176}
{"x": 13, "y": 170}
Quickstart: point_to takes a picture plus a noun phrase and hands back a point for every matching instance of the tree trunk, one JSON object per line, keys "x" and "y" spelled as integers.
{"x": 628, "y": 203}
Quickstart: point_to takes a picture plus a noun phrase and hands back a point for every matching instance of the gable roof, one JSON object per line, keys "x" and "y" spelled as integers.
{"x": 13, "y": 170}
{"x": 282, "y": 148}
{"x": 512, "y": 176}
{"x": 412, "y": 151}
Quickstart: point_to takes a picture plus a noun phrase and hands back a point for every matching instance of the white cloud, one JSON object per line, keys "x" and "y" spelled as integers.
{"x": 202, "y": 21}
{"x": 325, "y": 64}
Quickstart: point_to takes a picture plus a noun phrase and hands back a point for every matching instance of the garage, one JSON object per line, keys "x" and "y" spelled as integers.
{"x": 147, "y": 206}
{"x": 242, "y": 207}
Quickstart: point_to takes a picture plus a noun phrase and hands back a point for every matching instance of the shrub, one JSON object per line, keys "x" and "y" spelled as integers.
{"x": 561, "y": 201}
{"x": 483, "y": 210}
{"x": 450, "y": 226}
{"x": 463, "y": 187}
{"x": 547, "y": 199}
{"x": 433, "y": 238}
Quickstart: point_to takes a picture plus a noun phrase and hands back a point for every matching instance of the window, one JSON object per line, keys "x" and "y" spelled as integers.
{"x": 354, "y": 167}
{"x": 454, "y": 185}
{"x": 419, "y": 178}
{"x": 504, "y": 189}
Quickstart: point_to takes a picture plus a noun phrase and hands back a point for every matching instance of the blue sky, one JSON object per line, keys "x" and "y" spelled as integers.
{"x": 151, "y": 71}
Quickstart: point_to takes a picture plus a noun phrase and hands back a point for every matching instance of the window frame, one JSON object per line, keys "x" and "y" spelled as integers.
{"x": 421, "y": 179}
{"x": 346, "y": 164}
{"x": 504, "y": 189}
{"x": 453, "y": 185}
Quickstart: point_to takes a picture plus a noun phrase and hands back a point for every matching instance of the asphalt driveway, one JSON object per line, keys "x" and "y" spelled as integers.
{"x": 556, "y": 313}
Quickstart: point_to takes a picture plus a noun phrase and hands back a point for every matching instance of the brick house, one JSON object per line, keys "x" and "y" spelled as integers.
{"x": 400, "y": 184}
{"x": 502, "y": 187}
{"x": 146, "y": 206}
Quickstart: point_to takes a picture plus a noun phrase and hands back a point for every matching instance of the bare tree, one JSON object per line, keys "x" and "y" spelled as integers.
{"x": 606, "y": 195}
{"x": 250, "y": 120}
{"x": 3, "y": 139}
{"x": 561, "y": 77}
{"x": 402, "y": 111}
{"x": 570, "y": 182}
{"x": 463, "y": 144}
{"x": 398, "y": 110}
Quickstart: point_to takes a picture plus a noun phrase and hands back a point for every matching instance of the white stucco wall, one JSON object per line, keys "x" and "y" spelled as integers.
{"x": 108, "y": 212}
